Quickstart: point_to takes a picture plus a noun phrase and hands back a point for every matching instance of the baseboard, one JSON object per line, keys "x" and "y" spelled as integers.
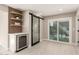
{"x": 60, "y": 42}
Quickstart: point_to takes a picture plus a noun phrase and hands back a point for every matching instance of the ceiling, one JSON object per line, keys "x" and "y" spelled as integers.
{"x": 47, "y": 9}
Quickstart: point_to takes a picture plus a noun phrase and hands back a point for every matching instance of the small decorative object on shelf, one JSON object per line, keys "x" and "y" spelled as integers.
{"x": 17, "y": 18}
{"x": 17, "y": 23}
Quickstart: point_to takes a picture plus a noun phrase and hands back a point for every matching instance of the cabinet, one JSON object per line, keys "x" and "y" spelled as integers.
{"x": 17, "y": 42}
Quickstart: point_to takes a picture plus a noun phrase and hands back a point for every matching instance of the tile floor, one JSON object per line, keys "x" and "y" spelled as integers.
{"x": 3, "y": 51}
{"x": 49, "y": 48}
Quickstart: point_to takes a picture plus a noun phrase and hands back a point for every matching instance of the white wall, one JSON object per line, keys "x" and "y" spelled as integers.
{"x": 27, "y": 26}
{"x": 77, "y": 26}
{"x": 41, "y": 30}
{"x": 4, "y": 26}
{"x": 26, "y": 22}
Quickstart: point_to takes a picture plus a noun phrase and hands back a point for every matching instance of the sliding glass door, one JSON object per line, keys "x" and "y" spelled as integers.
{"x": 53, "y": 30}
{"x": 64, "y": 31}
{"x": 59, "y": 30}
{"x": 35, "y": 29}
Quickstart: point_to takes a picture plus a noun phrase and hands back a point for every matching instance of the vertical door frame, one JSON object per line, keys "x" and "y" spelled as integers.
{"x": 70, "y": 28}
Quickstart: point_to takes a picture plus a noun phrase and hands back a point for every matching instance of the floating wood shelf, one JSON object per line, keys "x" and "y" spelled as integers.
{"x": 16, "y": 19}
{"x": 16, "y": 13}
{"x": 16, "y": 25}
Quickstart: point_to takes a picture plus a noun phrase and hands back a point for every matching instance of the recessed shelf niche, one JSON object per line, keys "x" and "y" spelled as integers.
{"x": 15, "y": 20}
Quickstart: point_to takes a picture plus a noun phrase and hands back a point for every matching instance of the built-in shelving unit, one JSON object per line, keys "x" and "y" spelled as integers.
{"x": 15, "y": 20}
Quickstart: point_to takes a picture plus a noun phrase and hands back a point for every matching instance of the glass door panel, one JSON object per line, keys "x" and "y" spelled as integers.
{"x": 53, "y": 30}
{"x": 35, "y": 30}
{"x": 64, "y": 31}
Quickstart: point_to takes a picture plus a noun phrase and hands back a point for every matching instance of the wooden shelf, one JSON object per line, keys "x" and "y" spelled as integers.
{"x": 16, "y": 25}
{"x": 16, "y": 13}
{"x": 16, "y": 19}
